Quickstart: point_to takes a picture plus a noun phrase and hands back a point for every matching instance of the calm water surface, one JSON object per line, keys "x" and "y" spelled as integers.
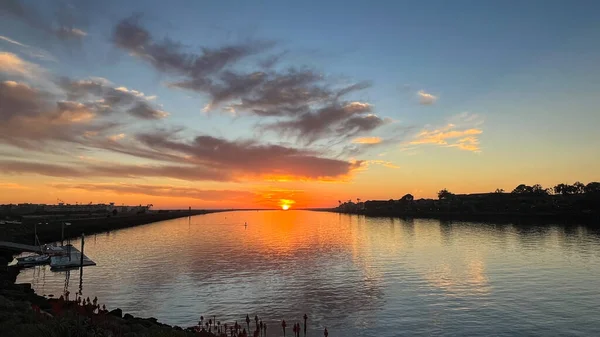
{"x": 358, "y": 276}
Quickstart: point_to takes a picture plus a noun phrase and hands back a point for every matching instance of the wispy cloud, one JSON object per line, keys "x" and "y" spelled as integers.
{"x": 30, "y": 50}
{"x": 61, "y": 25}
{"x": 426, "y": 98}
{"x": 12, "y": 64}
{"x": 460, "y": 136}
{"x": 384, "y": 163}
{"x": 367, "y": 140}
{"x": 163, "y": 191}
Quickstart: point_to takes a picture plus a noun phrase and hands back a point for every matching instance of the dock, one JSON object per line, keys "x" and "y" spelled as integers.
{"x": 19, "y": 247}
{"x": 72, "y": 259}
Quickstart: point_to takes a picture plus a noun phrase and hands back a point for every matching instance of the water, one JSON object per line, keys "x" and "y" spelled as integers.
{"x": 357, "y": 276}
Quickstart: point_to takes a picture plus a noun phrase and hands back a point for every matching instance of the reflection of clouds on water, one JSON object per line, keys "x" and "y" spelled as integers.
{"x": 360, "y": 276}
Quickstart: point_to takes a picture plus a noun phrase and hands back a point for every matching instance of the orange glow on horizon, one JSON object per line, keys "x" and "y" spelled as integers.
{"x": 285, "y": 207}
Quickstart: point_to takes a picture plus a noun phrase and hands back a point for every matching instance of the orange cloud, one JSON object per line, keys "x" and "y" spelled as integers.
{"x": 163, "y": 191}
{"x": 367, "y": 140}
{"x": 12, "y": 64}
{"x": 446, "y": 136}
{"x": 384, "y": 163}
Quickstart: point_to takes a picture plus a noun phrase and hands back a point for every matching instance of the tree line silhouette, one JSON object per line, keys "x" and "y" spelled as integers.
{"x": 564, "y": 199}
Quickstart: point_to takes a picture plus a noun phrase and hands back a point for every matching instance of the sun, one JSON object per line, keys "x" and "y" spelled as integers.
{"x": 286, "y": 204}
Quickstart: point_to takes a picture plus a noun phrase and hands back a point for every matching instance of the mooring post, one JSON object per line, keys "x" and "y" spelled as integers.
{"x": 82, "y": 242}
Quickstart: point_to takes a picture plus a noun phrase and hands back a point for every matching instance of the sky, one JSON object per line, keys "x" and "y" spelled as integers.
{"x": 260, "y": 104}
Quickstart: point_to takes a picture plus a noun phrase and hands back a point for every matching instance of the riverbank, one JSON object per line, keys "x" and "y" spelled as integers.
{"x": 49, "y": 231}
{"x": 487, "y": 217}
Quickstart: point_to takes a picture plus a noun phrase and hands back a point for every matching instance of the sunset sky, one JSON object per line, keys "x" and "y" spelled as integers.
{"x": 214, "y": 104}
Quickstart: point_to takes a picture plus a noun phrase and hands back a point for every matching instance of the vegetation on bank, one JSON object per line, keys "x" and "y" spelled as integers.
{"x": 576, "y": 199}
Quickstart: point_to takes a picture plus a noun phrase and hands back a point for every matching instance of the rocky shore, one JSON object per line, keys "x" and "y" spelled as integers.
{"x": 24, "y": 313}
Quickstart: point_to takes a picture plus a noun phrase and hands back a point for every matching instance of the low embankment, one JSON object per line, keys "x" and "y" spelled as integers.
{"x": 51, "y": 230}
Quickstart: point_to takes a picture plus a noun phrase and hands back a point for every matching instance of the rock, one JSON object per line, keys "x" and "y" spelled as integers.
{"x": 116, "y": 312}
{"x": 127, "y": 316}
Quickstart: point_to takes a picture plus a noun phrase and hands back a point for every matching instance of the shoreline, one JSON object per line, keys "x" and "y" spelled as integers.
{"x": 20, "y": 306}
{"x": 544, "y": 218}
{"x": 50, "y": 231}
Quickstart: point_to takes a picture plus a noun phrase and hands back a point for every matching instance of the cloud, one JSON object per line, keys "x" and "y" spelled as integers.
{"x": 167, "y": 55}
{"x": 163, "y": 191}
{"x": 309, "y": 103}
{"x": 384, "y": 163}
{"x": 249, "y": 158}
{"x": 52, "y": 170}
{"x": 90, "y": 170}
{"x": 9, "y": 40}
{"x": 143, "y": 110}
{"x": 367, "y": 140}
{"x": 14, "y": 65}
{"x": 116, "y": 137}
{"x": 66, "y": 33}
{"x": 337, "y": 120}
{"x": 31, "y": 117}
{"x": 426, "y": 98}
{"x": 12, "y": 186}
{"x": 61, "y": 25}
{"x": 109, "y": 99}
{"x": 462, "y": 136}
{"x": 30, "y": 51}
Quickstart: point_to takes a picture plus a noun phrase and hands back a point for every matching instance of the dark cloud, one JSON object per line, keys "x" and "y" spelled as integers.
{"x": 62, "y": 25}
{"x": 113, "y": 170}
{"x": 310, "y": 103}
{"x": 340, "y": 119}
{"x": 103, "y": 98}
{"x": 21, "y": 167}
{"x": 168, "y": 56}
{"x": 143, "y": 110}
{"x": 250, "y": 158}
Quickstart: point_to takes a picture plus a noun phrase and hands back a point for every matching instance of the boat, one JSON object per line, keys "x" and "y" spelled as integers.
{"x": 33, "y": 260}
{"x": 54, "y": 250}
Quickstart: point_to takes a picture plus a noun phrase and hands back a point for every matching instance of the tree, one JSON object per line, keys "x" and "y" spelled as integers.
{"x": 499, "y": 190}
{"x": 522, "y": 189}
{"x": 564, "y": 189}
{"x": 593, "y": 187}
{"x": 444, "y": 194}
{"x": 579, "y": 187}
{"x": 407, "y": 197}
{"x": 538, "y": 189}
